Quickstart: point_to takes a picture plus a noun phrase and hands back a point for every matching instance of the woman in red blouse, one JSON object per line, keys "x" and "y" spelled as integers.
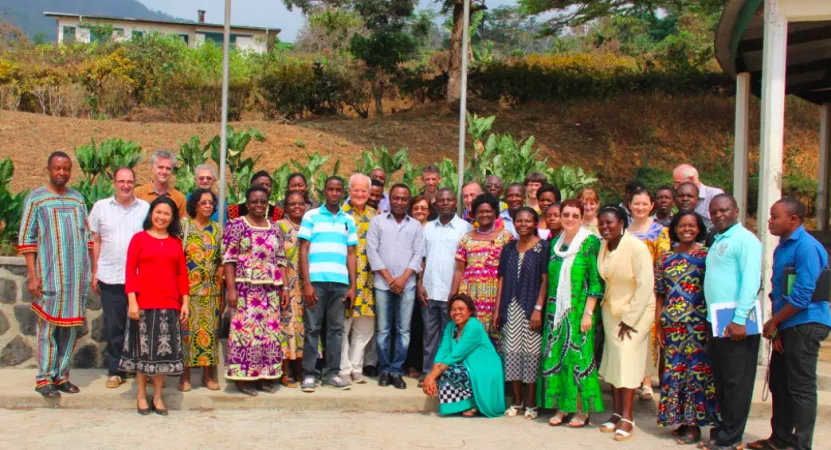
{"x": 157, "y": 292}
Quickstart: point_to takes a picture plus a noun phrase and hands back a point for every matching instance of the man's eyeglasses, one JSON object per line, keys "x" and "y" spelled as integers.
{"x": 208, "y": 178}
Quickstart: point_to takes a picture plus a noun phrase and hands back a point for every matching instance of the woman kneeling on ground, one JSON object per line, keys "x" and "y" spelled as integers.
{"x": 467, "y": 373}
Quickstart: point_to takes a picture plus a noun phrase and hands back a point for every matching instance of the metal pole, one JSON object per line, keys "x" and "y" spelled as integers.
{"x": 223, "y": 135}
{"x": 463, "y": 102}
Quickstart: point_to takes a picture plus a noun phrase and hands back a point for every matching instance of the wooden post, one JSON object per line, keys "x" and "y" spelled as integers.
{"x": 824, "y": 166}
{"x": 740, "y": 142}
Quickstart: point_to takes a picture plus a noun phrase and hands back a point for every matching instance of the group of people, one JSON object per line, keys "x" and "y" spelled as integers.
{"x": 525, "y": 290}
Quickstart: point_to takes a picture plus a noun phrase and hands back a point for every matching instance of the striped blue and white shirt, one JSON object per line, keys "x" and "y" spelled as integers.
{"x": 329, "y": 235}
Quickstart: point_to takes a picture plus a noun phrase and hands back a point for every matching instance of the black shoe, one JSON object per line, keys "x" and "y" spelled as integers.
{"x": 48, "y": 391}
{"x": 370, "y": 371}
{"x": 145, "y": 411}
{"x": 67, "y": 387}
{"x": 159, "y": 411}
{"x": 398, "y": 382}
{"x": 384, "y": 379}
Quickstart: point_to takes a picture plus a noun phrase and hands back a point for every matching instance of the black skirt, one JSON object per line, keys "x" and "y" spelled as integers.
{"x": 153, "y": 344}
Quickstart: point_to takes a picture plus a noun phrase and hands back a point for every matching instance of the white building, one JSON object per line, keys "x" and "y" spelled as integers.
{"x": 74, "y": 28}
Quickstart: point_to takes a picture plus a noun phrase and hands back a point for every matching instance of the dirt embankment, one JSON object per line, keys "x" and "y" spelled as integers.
{"x": 611, "y": 137}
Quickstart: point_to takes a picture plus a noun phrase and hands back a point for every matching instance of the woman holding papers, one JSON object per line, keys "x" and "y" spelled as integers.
{"x": 628, "y": 312}
{"x": 688, "y": 395}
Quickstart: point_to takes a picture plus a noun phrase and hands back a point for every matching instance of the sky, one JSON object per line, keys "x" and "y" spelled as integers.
{"x": 258, "y": 13}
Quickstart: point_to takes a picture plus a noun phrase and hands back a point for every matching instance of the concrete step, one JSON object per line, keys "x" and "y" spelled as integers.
{"x": 825, "y": 350}
{"x": 17, "y": 392}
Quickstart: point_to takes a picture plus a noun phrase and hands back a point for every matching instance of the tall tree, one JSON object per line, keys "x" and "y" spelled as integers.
{"x": 579, "y": 12}
{"x": 454, "y": 69}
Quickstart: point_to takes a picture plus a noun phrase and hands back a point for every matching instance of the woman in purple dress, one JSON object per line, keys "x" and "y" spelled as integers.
{"x": 255, "y": 267}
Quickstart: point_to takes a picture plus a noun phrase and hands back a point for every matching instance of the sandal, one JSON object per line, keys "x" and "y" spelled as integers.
{"x": 114, "y": 381}
{"x": 267, "y": 386}
{"x": 762, "y": 444}
{"x": 184, "y": 386}
{"x": 470, "y": 412}
{"x": 513, "y": 410}
{"x": 211, "y": 384}
{"x": 610, "y": 425}
{"x": 247, "y": 389}
{"x": 288, "y": 382}
{"x": 622, "y": 435}
{"x": 48, "y": 391}
{"x": 531, "y": 413}
{"x": 646, "y": 392}
{"x": 557, "y": 419}
{"x": 690, "y": 436}
{"x": 575, "y": 423}
{"x": 66, "y": 386}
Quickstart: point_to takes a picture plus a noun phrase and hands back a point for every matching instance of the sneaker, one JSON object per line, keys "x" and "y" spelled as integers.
{"x": 308, "y": 384}
{"x": 358, "y": 378}
{"x": 338, "y": 383}
{"x": 348, "y": 378}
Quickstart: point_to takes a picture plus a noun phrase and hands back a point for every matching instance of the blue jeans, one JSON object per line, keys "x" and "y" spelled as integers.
{"x": 392, "y": 308}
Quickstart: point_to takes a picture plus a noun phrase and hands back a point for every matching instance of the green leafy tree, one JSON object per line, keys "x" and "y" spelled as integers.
{"x": 11, "y": 208}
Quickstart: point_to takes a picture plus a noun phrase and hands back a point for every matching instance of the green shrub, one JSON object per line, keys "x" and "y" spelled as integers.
{"x": 11, "y": 209}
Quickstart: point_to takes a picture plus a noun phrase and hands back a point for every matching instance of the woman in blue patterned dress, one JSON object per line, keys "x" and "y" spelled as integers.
{"x": 687, "y": 392}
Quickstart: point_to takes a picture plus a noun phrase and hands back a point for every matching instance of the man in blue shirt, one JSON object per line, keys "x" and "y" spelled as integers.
{"x": 734, "y": 273}
{"x": 799, "y": 324}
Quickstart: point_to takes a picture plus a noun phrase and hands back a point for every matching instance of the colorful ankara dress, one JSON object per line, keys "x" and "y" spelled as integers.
{"x": 688, "y": 394}
{"x": 480, "y": 279}
{"x": 521, "y": 274}
{"x": 474, "y": 371}
{"x": 291, "y": 318}
{"x": 657, "y": 241}
{"x": 203, "y": 255}
{"x": 569, "y": 366}
{"x": 255, "y": 340}
{"x": 54, "y": 228}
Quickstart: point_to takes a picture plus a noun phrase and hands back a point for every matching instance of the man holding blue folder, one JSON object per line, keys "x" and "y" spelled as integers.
{"x": 801, "y": 321}
{"x": 734, "y": 272}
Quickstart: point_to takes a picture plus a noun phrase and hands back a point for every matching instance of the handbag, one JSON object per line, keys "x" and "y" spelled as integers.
{"x": 823, "y": 287}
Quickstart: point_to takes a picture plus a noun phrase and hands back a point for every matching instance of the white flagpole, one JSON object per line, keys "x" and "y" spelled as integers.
{"x": 223, "y": 137}
{"x": 463, "y": 103}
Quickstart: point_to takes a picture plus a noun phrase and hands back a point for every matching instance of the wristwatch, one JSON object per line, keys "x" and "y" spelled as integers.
{"x": 590, "y": 313}
{"x": 538, "y": 307}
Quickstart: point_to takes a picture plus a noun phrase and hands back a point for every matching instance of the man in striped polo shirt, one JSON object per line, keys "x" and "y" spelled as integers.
{"x": 328, "y": 238}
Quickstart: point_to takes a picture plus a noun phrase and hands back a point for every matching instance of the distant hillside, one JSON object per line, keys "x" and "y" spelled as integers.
{"x": 28, "y": 14}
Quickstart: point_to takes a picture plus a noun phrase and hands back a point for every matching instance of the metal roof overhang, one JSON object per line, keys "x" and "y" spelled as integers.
{"x": 739, "y": 44}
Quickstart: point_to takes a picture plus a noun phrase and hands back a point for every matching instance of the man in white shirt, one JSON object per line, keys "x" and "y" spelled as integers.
{"x": 113, "y": 222}
{"x": 686, "y": 172}
{"x": 441, "y": 237}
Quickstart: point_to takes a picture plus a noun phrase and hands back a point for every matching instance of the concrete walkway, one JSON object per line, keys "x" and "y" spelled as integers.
{"x": 17, "y": 392}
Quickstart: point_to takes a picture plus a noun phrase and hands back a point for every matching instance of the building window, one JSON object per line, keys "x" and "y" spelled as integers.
{"x": 216, "y": 38}
{"x": 184, "y": 38}
{"x": 68, "y": 35}
{"x": 138, "y": 33}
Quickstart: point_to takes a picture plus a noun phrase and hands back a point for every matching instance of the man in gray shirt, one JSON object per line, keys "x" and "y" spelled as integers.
{"x": 394, "y": 247}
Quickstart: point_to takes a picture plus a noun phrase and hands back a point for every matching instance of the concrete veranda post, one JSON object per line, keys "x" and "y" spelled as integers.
{"x": 740, "y": 142}
{"x": 774, "y": 62}
{"x": 824, "y": 167}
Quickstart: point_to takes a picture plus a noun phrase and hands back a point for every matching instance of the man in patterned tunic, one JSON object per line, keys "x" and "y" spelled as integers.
{"x": 55, "y": 240}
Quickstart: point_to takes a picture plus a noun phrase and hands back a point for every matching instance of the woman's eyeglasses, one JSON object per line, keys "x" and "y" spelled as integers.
{"x": 258, "y": 202}
{"x": 207, "y": 203}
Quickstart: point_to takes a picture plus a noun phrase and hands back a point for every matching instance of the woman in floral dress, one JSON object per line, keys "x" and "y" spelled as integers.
{"x": 291, "y": 317}
{"x": 255, "y": 267}
{"x": 688, "y": 396}
{"x": 200, "y": 335}
{"x": 477, "y": 260}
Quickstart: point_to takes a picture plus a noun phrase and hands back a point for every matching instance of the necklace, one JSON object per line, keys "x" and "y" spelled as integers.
{"x": 479, "y": 230}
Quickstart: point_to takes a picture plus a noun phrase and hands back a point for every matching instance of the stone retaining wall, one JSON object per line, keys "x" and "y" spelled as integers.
{"x": 18, "y": 329}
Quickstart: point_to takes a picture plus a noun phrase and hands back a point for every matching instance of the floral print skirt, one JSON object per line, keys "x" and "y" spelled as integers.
{"x": 256, "y": 343}
{"x": 153, "y": 344}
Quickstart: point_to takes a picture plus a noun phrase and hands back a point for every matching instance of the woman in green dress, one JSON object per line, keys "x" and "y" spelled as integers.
{"x": 467, "y": 372}
{"x": 201, "y": 238}
{"x": 568, "y": 376}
